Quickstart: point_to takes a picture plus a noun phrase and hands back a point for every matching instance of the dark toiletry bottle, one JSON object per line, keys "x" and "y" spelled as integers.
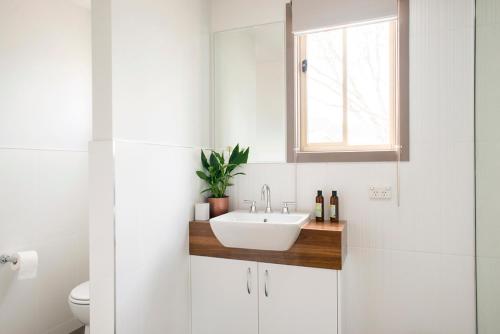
{"x": 334, "y": 207}
{"x": 319, "y": 210}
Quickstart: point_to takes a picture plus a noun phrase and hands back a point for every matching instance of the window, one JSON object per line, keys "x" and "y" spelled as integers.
{"x": 350, "y": 93}
{"x": 347, "y": 89}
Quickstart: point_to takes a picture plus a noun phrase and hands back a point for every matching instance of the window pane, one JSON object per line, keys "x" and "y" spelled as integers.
{"x": 369, "y": 79}
{"x": 324, "y": 87}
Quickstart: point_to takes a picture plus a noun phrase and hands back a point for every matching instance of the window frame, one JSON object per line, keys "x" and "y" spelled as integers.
{"x": 295, "y": 111}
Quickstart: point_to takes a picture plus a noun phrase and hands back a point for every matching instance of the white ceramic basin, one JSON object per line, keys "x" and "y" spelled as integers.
{"x": 264, "y": 231}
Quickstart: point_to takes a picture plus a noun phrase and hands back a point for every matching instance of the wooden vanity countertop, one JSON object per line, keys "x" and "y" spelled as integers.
{"x": 319, "y": 245}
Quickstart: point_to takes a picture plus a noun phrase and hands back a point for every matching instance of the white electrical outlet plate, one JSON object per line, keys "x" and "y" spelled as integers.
{"x": 380, "y": 192}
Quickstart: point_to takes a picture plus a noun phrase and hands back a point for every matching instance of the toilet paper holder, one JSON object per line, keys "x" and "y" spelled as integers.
{"x": 8, "y": 259}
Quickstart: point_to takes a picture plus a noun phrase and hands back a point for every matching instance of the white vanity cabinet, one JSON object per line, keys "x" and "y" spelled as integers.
{"x": 240, "y": 297}
{"x": 223, "y": 296}
{"x": 297, "y": 300}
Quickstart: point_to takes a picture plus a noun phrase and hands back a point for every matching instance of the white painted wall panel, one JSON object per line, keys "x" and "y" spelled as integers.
{"x": 102, "y": 236}
{"x": 160, "y": 57}
{"x": 155, "y": 190}
{"x": 156, "y": 99}
{"x": 45, "y": 66}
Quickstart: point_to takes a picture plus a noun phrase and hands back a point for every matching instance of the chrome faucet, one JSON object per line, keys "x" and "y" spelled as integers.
{"x": 266, "y": 195}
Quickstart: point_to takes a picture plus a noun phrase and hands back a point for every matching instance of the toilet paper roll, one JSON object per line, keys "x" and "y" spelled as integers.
{"x": 202, "y": 211}
{"x": 26, "y": 265}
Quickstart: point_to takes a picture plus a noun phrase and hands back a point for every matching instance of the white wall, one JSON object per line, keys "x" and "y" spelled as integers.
{"x": 45, "y": 96}
{"x": 153, "y": 122}
{"x": 487, "y": 164}
{"x": 410, "y": 269}
{"x": 160, "y": 71}
{"x": 155, "y": 191}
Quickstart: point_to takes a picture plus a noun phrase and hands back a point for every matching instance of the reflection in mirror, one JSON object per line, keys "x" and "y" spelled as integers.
{"x": 249, "y": 91}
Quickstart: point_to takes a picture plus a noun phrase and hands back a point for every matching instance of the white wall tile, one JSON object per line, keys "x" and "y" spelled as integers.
{"x": 310, "y": 179}
{"x": 383, "y": 292}
{"x": 362, "y": 281}
{"x": 154, "y": 204}
{"x": 18, "y": 316}
{"x": 487, "y": 210}
{"x": 102, "y": 235}
{"x": 457, "y": 291}
{"x": 279, "y": 177}
{"x": 18, "y": 179}
{"x": 488, "y": 293}
{"x": 367, "y": 218}
{"x": 61, "y": 188}
{"x": 45, "y": 209}
{"x": 420, "y": 206}
{"x": 55, "y": 281}
{"x": 458, "y": 198}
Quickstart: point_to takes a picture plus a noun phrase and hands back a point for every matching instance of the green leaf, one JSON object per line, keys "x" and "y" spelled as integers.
{"x": 234, "y": 154}
{"x": 217, "y": 173}
{"x": 220, "y": 157}
{"x": 204, "y": 161}
{"x": 202, "y": 175}
{"x": 214, "y": 161}
{"x": 238, "y": 157}
{"x": 245, "y": 156}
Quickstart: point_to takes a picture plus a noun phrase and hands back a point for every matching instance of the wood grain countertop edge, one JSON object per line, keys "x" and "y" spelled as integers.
{"x": 319, "y": 245}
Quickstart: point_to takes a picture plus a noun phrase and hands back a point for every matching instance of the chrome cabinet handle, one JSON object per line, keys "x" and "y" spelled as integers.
{"x": 266, "y": 274}
{"x": 249, "y": 278}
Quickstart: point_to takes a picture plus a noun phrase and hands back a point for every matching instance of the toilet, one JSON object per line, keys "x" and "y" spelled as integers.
{"x": 79, "y": 302}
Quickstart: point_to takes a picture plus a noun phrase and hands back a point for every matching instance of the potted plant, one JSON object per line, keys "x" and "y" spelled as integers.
{"x": 217, "y": 173}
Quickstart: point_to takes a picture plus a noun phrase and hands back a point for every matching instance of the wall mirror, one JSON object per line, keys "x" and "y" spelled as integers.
{"x": 249, "y": 91}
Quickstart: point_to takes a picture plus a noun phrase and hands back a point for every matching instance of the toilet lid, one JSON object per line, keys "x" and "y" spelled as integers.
{"x": 81, "y": 293}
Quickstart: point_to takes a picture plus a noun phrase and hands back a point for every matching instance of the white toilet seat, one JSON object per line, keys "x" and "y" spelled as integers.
{"x": 81, "y": 294}
{"x": 79, "y": 302}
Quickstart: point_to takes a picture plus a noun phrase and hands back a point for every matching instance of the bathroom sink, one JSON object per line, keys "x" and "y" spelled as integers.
{"x": 263, "y": 231}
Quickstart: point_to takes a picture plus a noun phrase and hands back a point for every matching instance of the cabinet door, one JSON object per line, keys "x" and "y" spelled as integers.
{"x": 224, "y": 296}
{"x": 297, "y": 300}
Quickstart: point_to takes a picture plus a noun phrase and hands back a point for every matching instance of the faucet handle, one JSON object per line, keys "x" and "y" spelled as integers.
{"x": 253, "y": 207}
{"x": 285, "y": 209}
